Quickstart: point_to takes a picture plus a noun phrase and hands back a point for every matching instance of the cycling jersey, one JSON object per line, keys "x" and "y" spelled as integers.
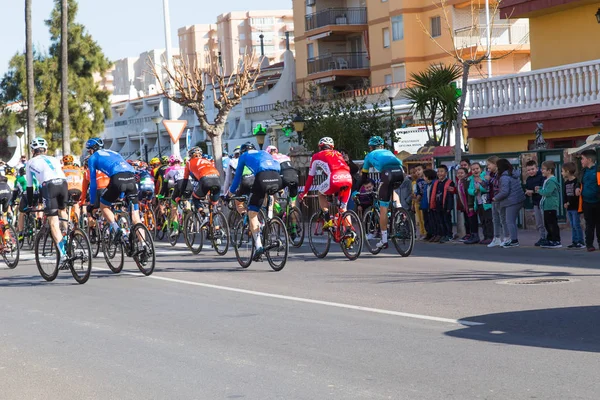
{"x": 381, "y": 159}
{"x": 21, "y": 184}
{"x": 109, "y": 162}
{"x": 74, "y": 176}
{"x": 101, "y": 182}
{"x": 11, "y": 181}
{"x": 174, "y": 174}
{"x": 199, "y": 168}
{"x": 159, "y": 174}
{"x": 332, "y": 163}
{"x": 280, "y": 157}
{"x": 145, "y": 181}
{"x": 44, "y": 168}
{"x": 256, "y": 161}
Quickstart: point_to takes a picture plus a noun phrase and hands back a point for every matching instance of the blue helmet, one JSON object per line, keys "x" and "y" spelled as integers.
{"x": 376, "y": 141}
{"x": 247, "y": 146}
{"x": 94, "y": 144}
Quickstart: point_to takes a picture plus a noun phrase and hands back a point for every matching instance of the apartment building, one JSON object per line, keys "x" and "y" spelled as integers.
{"x": 238, "y": 33}
{"x": 352, "y": 44}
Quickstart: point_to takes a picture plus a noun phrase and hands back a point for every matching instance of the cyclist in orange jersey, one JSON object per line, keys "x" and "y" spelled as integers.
{"x": 205, "y": 174}
{"x": 74, "y": 176}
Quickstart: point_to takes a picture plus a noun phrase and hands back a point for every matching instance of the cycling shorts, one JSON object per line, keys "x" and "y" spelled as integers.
{"x": 290, "y": 179}
{"x": 5, "y": 196}
{"x": 74, "y": 195}
{"x": 246, "y": 185}
{"x": 206, "y": 184}
{"x": 55, "y": 194}
{"x": 266, "y": 183}
{"x": 180, "y": 191}
{"x": 390, "y": 180}
{"x": 122, "y": 183}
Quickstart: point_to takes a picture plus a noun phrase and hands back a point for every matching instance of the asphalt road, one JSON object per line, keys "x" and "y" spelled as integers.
{"x": 441, "y": 324}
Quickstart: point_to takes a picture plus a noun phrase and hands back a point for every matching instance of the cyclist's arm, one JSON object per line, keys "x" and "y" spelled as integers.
{"x": 84, "y": 188}
{"x": 365, "y": 169}
{"x": 29, "y": 177}
{"x": 93, "y": 181}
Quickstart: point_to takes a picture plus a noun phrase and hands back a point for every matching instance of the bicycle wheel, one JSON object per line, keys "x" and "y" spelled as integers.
{"x": 276, "y": 243}
{"x": 160, "y": 226}
{"x": 219, "y": 233}
{"x": 93, "y": 233}
{"x": 143, "y": 249}
{"x": 243, "y": 244}
{"x": 192, "y": 233}
{"x": 150, "y": 221}
{"x": 351, "y": 240}
{"x": 173, "y": 238}
{"x": 10, "y": 250}
{"x": 113, "y": 252}
{"x": 372, "y": 230}
{"x": 319, "y": 240}
{"x": 80, "y": 254}
{"x": 28, "y": 226}
{"x": 47, "y": 256}
{"x": 295, "y": 226}
{"x": 403, "y": 232}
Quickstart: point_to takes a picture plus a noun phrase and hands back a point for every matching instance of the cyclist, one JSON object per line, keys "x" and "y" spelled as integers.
{"x": 102, "y": 181}
{"x": 266, "y": 181}
{"x": 20, "y": 192}
{"x": 205, "y": 174}
{"x": 74, "y": 176}
{"x": 145, "y": 182}
{"x": 174, "y": 178}
{"x": 289, "y": 175}
{"x": 159, "y": 177}
{"x": 122, "y": 180}
{"x": 230, "y": 170}
{"x": 10, "y": 177}
{"x": 54, "y": 190}
{"x": 390, "y": 169}
{"x": 338, "y": 179}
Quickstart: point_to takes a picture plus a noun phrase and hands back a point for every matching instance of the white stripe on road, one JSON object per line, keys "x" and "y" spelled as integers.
{"x": 309, "y": 301}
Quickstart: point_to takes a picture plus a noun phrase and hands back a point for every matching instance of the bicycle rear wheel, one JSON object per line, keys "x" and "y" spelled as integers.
{"x": 160, "y": 226}
{"x": 372, "y": 230}
{"x": 143, "y": 249}
{"x": 351, "y": 238}
{"x": 10, "y": 251}
{"x": 219, "y": 231}
{"x": 403, "y": 232}
{"x": 47, "y": 256}
{"x": 80, "y": 253}
{"x": 243, "y": 244}
{"x": 150, "y": 221}
{"x": 276, "y": 243}
{"x": 113, "y": 252}
{"x": 319, "y": 240}
{"x": 192, "y": 232}
{"x": 93, "y": 233}
{"x": 295, "y": 225}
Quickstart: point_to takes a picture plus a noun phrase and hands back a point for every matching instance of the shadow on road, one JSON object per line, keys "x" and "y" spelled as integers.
{"x": 570, "y": 328}
{"x": 35, "y": 280}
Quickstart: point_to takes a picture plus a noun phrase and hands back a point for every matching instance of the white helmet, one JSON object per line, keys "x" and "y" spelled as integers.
{"x": 326, "y": 141}
{"x": 38, "y": 143}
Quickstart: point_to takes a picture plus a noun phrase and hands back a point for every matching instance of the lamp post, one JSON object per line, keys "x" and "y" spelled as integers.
{"x": 19, "y": 133}
{"x": 298, "y": 123}
{"x": 157, "y": 120}
{"x": 260, "y": 132}
{"x": 143, "y": 134}
{"x": 392, "y": 92}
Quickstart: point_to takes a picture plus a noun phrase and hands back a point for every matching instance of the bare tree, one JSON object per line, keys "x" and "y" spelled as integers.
{"x": 189, "y": 83}
{"x": 473, "y": 53}
{"x": 64, "y": 73}
{"x": 29, "y": 72}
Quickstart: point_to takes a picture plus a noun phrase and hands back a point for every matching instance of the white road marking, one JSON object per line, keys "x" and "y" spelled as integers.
{"x": 309, "y": 301}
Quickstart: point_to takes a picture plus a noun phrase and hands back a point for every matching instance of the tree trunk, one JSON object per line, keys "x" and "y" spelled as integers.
{"x": 217, "y": 144}
{"x": 64, "y": 72}
{"x": 30, "y": 81}
{"x": 459, "y": 116}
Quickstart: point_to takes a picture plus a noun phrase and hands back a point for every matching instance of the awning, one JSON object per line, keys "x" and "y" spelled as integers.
{"x": 319, "y": 36}
{"x": 325, "y": 80}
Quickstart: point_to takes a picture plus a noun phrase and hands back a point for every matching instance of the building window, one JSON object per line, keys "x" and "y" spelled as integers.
{"x": 242, "y": 36}
{"x": 386, "y": 37}
{"x": 387, "y": 79}
{"x": 310, "y": 49}
{"x": 397, "y": 28}
{"x": 262, "y": 21}
{"x": 436, "y": 27}
{"x": 399, "y": 73}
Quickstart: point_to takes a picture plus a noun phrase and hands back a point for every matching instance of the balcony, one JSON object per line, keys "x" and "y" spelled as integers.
{"x": 502, "y": 35}
{"x": 566, "y": 86}
{"x": 338, "y": 19}
{"x": 342, "y": 63}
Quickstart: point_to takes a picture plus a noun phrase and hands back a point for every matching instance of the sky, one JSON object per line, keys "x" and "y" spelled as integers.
{"x": 123, "y": 28}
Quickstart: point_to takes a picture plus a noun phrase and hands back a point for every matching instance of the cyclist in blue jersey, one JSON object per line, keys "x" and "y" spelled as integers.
{"x": 390, "y": 169}
{"x": 267, "y": 180}
{"x": 122, "y": 181}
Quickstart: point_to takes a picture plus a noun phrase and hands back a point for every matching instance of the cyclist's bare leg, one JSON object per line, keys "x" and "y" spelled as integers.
{"x": 324, "y": 203}
{"x": 240, "y": 207}
{"x": 55, "y": 228}
{"x": 107, "y": 213}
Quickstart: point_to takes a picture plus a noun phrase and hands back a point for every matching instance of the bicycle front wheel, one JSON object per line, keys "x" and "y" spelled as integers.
{"x": 47, "y": 256}
{"x": 243, "y": 244}
{"x": 403, "y": 232}
{"x": 219, "y": 233}
{"x": 276, "y": 243}
{"x": 143, "y": 249}
{"x": 192, "y": 232}
{"x": 10, "y": 251}
{"x": 351, "y": 240}
{"x": 319, "y": 240}
{"x": 80, "y": 254}
{"x": 113, "y": 252}
{"x": 372, "y": 230}
{"x": 295, "y": 225}
{"x": 95, "y": 241}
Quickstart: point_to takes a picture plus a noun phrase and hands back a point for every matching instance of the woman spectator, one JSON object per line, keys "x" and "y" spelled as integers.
{"x": 510, "y": 199}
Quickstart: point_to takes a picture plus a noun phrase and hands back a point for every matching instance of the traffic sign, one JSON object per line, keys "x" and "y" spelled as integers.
{"x": 175, "y": 128}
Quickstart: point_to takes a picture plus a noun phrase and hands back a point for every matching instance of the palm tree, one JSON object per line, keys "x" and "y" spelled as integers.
{"x": 64, "y": 81}
{"x": 29, "y": 71}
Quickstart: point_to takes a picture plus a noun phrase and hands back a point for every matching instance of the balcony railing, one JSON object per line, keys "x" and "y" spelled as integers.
{"x": 337, "y": 16}
{"x": 572, "y": 85}
{"x": 337, "y": 61}
{"x": 502, "y": 34}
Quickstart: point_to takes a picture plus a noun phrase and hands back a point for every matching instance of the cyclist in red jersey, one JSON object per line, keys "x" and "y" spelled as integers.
{"x": 338, "y": 179}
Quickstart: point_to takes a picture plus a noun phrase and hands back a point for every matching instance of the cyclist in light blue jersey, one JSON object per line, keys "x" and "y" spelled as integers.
{"x": 390, "y": 169}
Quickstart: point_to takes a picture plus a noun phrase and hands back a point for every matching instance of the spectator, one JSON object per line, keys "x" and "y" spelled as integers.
{"x": 510, "y": 198}
{"x": 478, "y": 196}
{"x": 419, "y": 185}
{"x": 571, "y": 204}
{"x": 535, "y": 178}
{"x": 462, "y": 204}
{"x": 405, "y": 192}
{"x": 433, "y": 232}
{"x": 491, "y": 185}
{"x": 589, "y": 200}
{"x": 549, "y": 204}
{"x": 465, "y": 163}
{"x": 442, "y": 202}
{"x": 365, "y": 196}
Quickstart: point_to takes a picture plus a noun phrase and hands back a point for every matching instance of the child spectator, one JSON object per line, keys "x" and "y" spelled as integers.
{"x": 365, "y": 196}
{"x": 589, "y": 200}
{"x": 465, "y": 163}
{"x": 462, "y": 204}
{"x": 419, "y": 186}
{"x": 571, "y": 204}
{"x": 429, "y": 216}
{"x": 535, "y": 178}
{"x": 442, "y": 201}
{"x": 405, "y": 192}
{"x": 478, "y": 202}
{"x": 491, "y": 184}
{"x": 510, "y": 199}
{"x": 549, "y": 204}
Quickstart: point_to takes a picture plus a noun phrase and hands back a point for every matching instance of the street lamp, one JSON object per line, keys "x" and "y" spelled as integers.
{"x": 157, "y": 120}
{"x": 260, "y": 132}
{"x": 598, "y": 15}
{"x": 298, "y": 123}
{"x": 392, "y": 92}
{"x": 19, "y": 133}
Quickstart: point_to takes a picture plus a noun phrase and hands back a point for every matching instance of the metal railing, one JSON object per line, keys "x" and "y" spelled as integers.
{"x": 336, "y": 16}
{"x": 338, "y": 61}
{"x": 501, "y": 34}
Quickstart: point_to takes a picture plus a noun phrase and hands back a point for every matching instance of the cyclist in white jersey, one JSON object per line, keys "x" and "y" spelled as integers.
{"x": 53, "y": 189}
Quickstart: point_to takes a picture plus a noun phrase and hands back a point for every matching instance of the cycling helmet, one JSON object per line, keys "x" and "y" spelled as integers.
{"x": 68, "y": 159}
{"x": 247, "y": 146}
{"x": 38, "y": 144}
{"x": 94, "y": 144}
{"x": 237, "y": 150}
{"x": 9, "y": 171}
{"x": 155, "y": 161}
{"x": 164, "y": 160}
{"x": 195, "y": 152}
{"x": 326, "y": 142}
{"x": 376, "y": 141}
{"x": 174, "y": 160}
{"x": 271, "y": 149}
{"x": 22, "y": 171}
